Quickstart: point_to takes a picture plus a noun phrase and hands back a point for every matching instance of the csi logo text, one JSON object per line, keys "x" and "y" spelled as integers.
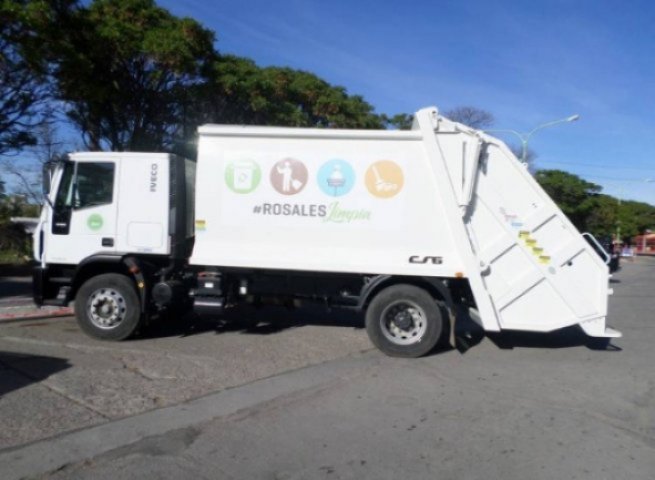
{"x": 425, "y": 260}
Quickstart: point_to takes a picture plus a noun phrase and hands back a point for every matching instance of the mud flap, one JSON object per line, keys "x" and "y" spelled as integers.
{"x": 451, "y": 336}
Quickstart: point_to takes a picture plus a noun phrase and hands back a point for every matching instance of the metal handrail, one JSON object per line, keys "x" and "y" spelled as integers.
{"x": 608, "y": 257}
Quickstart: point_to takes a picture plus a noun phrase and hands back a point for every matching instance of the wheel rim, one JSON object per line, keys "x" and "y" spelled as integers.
{"x": 403, "y": 322}
{"x": 106, "y": 308}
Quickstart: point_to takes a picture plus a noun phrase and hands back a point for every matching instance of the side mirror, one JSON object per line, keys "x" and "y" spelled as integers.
{"x": 46, "y": 177}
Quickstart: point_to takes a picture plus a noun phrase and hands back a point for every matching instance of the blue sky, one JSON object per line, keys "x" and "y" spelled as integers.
{"x": 527, "y": 62}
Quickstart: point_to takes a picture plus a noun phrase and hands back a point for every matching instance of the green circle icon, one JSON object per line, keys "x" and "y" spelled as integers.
{"x": 242, "y": 176}
{"x": 94, "y": 222}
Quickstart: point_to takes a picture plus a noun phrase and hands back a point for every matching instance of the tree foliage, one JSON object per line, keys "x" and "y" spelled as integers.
{"x": 635, "y": 218}
{"x": 135, "y": 77}
{"x": 589, "y": 210}
{"x": 400, "y": 121}
{"x": 22, "y": 88}
{"x": 575, "y": 196}
{"x": 471, "y": 116}
{"x": 602, "y": 219}
{"x": 121, "y": 67}
{"x": 238, "y": 91}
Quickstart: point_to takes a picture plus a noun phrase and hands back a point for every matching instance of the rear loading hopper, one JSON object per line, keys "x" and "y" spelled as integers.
{"x": 535, "y": 271}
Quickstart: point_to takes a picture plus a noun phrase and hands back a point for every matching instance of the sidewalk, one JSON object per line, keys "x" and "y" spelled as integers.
{"x": 16, "y": 297}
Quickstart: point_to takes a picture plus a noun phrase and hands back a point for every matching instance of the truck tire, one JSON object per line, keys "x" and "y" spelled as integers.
{"x": 107, "y": 307}
{"x": 404, "y": 321}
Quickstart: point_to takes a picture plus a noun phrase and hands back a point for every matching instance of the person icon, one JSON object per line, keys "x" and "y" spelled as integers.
{"x": 289, "y": 176}
{"x": 286, "y": 171}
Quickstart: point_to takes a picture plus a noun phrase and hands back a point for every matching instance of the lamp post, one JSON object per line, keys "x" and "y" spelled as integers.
{"x": 525, "y": 137}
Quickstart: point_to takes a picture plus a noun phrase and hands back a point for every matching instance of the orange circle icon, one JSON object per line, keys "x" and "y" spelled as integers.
{"x": 384, "y": 179}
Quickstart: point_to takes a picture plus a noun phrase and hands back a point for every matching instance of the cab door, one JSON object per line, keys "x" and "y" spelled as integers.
{"x": 84, "y": 215}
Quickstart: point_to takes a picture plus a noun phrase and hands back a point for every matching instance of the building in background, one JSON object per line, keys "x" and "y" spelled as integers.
{"x": 644, "y": 244}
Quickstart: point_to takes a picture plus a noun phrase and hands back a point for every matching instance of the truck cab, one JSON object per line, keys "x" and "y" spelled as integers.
{"x": 103, "y": 210}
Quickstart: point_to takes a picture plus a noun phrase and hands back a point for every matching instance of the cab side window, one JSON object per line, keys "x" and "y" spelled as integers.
{"x": 95, "y": 185}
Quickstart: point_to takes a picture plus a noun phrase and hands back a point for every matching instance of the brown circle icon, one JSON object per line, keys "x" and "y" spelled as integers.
{"x": 289, "y": 176}
{"x": 384, "y": 179}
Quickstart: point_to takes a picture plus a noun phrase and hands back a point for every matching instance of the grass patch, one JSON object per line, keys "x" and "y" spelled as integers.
{"x": 12, "y": 257}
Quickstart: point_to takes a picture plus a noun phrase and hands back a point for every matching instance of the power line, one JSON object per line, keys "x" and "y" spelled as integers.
{"x": 610, "y": 167}
{"x": 636, "y": 180}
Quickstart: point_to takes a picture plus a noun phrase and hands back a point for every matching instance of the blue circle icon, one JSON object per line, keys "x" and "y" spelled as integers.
{"x": 336, "y": 177}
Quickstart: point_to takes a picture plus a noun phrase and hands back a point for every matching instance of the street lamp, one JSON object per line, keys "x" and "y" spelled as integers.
{"x": 525, "y": 137}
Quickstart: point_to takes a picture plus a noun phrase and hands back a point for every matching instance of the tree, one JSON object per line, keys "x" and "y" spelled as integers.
{"x": 122, "y": 68}
{"x": 239, "y": 91}
{"x": 22, "y": 87}
{"x": 14, "y": 243}
{"x": 602, "y": 218}
{"x": 471, "y": 116}
{"x": 574, "y": 196}
{"x": 27, "y": 173}
{"x": 400, "y": 121}
{"x": 634, "y": 218}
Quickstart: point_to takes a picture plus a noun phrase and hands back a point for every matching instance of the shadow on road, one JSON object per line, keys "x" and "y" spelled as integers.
{"x": 565, "y": 338}
{"x": 18, "y": 370}
{"x": 252, "y": 321}
{"x": 15, "y": 287}
{"x": 272, "y": 319}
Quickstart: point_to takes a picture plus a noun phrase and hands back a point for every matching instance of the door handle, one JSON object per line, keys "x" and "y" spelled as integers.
{"x": 107, "y": 242}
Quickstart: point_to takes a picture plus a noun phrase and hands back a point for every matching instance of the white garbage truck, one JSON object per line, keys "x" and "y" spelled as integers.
{"x": 406, "y": 227}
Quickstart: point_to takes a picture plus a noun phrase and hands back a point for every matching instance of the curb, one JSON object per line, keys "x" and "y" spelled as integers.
{"x": 34, "y": 313}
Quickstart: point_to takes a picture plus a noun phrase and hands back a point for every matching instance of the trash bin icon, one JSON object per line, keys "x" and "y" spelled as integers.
{"x": 243, "y": 176}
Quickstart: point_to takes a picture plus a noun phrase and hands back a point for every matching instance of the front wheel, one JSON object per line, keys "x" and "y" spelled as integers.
{"x": 404, "y": 321}
{"x": 107, "y": 307}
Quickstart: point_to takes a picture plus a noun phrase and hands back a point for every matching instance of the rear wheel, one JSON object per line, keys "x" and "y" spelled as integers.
{"x": 107, "y": 307}
{"x": 404, "y": 321}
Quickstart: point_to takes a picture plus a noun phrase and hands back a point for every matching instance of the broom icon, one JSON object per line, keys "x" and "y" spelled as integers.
{"x": 382, "y": 185}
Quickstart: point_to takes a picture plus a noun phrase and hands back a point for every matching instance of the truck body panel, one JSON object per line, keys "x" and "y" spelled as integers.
{"x": 347, "y": 227}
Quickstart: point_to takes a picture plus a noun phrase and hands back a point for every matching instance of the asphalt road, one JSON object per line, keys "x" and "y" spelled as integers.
{"x": 314, "y": 401}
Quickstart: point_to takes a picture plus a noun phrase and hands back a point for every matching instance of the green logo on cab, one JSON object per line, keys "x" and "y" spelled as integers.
{"x": 94, "y": 222}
